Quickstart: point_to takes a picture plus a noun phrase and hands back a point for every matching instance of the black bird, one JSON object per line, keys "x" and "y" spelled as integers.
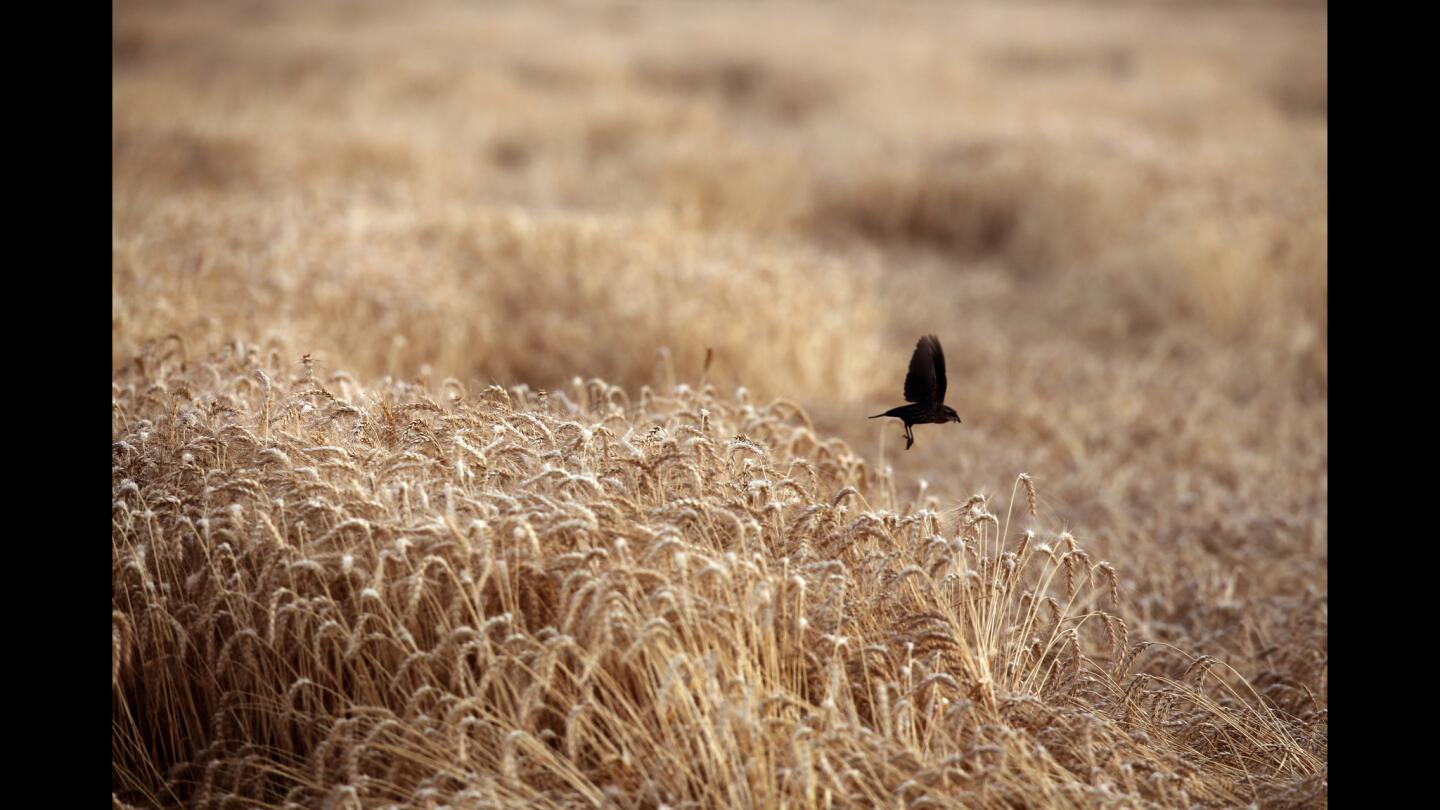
{"x": 925, "y": 388}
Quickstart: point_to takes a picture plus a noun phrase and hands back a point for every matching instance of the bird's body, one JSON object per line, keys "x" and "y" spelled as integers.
{"x": 924, "y": 390}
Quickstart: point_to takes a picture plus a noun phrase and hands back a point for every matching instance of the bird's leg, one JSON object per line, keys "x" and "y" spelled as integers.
{"x": 909, "y": 437}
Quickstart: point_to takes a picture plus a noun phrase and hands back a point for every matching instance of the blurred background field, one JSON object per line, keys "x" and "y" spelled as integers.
{"x": 1114, "y": 216}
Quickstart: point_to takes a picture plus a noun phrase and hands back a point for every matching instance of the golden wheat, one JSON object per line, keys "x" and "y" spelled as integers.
{"x": 485, "y": 413}
{"x": 403, "y": 599}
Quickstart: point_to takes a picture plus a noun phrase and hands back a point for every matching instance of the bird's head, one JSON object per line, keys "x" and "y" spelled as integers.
{"x": 950, "y": 414}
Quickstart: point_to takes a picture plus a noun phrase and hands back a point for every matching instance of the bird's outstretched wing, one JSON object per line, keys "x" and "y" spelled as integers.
{"x": 922, "y": 383}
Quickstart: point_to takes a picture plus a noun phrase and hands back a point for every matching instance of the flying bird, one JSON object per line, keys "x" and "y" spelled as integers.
{"x": 924, "y": 389}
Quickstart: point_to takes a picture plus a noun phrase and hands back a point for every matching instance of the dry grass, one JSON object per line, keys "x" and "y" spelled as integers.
{"x": 359, "y": 559}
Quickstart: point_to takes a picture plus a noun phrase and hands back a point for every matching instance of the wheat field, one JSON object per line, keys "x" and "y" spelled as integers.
{"x": 489, "y": 386}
